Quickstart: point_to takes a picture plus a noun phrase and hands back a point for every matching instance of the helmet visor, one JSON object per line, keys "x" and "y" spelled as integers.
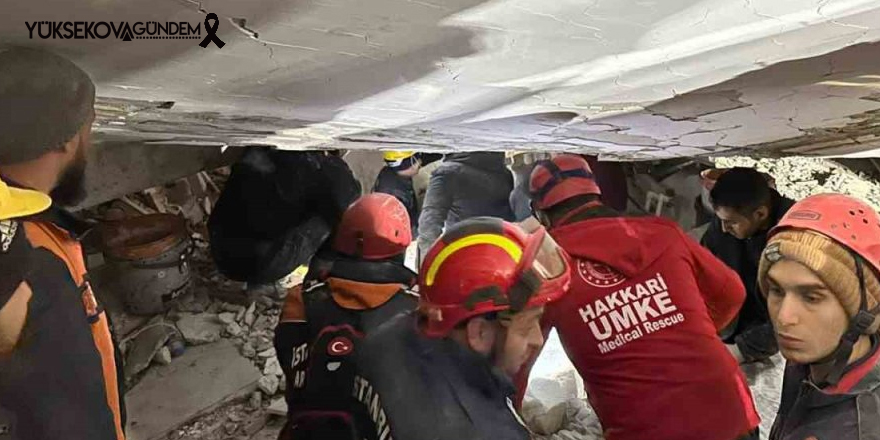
{"x": 549, "y": 262}
{"x": 543, "y": 275}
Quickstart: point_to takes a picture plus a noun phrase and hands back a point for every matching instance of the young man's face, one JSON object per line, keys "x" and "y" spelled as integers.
{"x": 741, "y": 225}
{"x": 808, "y": 319}
{"x": 522, "y": 340}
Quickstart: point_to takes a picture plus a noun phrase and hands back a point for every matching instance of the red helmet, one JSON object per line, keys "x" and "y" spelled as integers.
{"x": 856, "y": 226}
{"x": 847, "y": 220}
{"x": 561, "y": 178}
{"x": 376, "y": 226}
{"x": 483, "y": 265}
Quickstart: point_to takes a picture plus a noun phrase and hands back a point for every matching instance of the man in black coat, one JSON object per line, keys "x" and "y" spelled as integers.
{"x": 746, "y": 208}
{"x": 465, "y": 185}
{"x": 276, "y": 210}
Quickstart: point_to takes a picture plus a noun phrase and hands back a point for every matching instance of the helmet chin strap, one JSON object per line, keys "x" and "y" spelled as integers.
{"x": 835, "y": 364}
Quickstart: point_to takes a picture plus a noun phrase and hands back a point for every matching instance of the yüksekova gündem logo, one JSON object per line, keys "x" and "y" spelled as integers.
{"x": 125, "y": 31}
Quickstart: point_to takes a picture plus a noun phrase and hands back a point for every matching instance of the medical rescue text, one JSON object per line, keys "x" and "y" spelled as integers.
{"x": 85, "y": 30}
{"x": 630, "y": 313}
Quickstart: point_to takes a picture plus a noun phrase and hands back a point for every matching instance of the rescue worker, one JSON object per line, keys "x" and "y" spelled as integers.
{"x": 609, "y": 175}
{"x": 396, "y": 178}
{"x": 365, "y": 284}
{"x": 58, "y": 370}
{"x": 746, "y": 208}
{"x": 640, "y": 322}
{"x": 819, "y": 274}
{"x": 444, "y": 372}
{"x": 464, "y": 185}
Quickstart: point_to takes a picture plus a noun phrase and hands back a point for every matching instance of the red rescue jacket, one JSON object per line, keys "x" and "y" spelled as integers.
{"x": 640, "y": 324}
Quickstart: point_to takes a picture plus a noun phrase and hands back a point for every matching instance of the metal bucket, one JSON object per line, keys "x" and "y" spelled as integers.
{"x": 149, "y": 255}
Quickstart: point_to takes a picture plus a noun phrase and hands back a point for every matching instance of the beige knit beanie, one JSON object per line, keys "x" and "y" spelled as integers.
{"x": 832, "y": 262}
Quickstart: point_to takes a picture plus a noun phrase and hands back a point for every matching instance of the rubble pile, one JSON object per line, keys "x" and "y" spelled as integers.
{"x": 799, "y": 177}
{"x": 209, "y": 309}
{"x": 237, "y": 421}
{"x": 214, "y": 308}
{"x": 247, "y": 315}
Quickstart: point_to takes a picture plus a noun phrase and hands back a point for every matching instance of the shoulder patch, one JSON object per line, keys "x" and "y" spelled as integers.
{"x": 8, "y": 228}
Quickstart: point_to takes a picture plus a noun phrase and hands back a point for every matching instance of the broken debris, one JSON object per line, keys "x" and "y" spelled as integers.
{"x": 203, "y": 378}
{"x": 199, "y": 329}
{"x": 270, "y": 353}
{"x": 226, "y": 317}
{"x": 163, "y": 356}
{"x": 273, "y": 367}
{"x": 233, "y": 329}
{"x": 264, "y": 323}
{"x": 233, "y": 308}
{"x": 256, "y": 401}
{"x": 248, "y": 350}
{"x": 194, "y": 302}
{"x": 268, "y": 384}
{"x": 148, "y": 340}
{"x": 278, "y": 407}
{"x": 799, "y": 177}
{"x": 249, "y": 316}
{"x": 261, "y": 343}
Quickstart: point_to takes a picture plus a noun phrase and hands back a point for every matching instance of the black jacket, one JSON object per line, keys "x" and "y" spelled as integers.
{"x": 753, "y": 333}
{"x": 433, "y": 388}
{"x": 52, "y": 384}
{"x": 276, "y": 210}
{"x": 465, "y": 185}
{"x": 320, "y": 329}
{"x": 389, "y": 182}
{"x": 848, "y": 411}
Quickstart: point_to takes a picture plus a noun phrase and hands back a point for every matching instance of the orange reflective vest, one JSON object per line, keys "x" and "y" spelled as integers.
{"x": 60, "y": 243}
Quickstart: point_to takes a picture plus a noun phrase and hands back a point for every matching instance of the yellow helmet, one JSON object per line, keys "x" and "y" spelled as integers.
{"x": 301, "y": 271}
{"x": 16, "y": 202}
{"x": 395, "y": 156}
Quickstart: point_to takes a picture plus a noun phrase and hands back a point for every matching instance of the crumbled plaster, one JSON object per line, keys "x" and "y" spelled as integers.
{"x": 630, "y": 82}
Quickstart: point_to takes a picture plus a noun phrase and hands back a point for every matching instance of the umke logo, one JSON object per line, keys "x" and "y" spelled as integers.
{"x": 125, "y": 31}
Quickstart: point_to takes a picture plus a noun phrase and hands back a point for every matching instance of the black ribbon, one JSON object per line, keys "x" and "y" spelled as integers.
{"x": 212, "y": 32}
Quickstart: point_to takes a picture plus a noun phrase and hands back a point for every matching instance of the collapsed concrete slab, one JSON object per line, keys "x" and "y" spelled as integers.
{"x": 197, "y": 382}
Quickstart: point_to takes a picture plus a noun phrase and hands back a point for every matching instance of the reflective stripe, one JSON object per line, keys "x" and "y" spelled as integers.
{"x": 55, "y": 240}
{"x": 508, "y": 245}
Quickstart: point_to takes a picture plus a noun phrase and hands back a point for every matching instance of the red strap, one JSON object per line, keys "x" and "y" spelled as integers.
{"x": 854, "y": 376}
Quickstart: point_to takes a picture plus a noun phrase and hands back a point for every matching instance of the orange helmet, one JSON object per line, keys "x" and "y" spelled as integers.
{"x": 376, "y": 226}
{"x": 561, "y": 178}
{"x": 483, "y": 265}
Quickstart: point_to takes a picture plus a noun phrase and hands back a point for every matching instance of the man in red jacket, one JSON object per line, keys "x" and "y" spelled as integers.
{"x": 641, "y": 319}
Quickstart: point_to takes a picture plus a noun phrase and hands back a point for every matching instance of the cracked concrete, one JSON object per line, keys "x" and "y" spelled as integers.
{"x": 637, "y": 80}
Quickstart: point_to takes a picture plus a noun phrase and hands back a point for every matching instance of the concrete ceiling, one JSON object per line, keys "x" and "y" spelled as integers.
{"x": 628, "y": 79}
